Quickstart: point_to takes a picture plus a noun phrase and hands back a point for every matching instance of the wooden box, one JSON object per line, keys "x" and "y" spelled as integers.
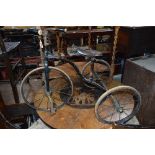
{"x": 140, "y": 73}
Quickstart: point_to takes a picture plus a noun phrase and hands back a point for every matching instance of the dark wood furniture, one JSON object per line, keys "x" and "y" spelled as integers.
{"x": 15, "y": 113}
{"x": 135, "y": 41}
{"x": 140, "y": 73}
{"x": 29, "y": 45}
{"x": 88, "y": 36}
{"x": 7, "y": 48}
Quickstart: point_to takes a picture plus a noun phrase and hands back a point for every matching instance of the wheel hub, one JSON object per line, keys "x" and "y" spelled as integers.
{"x": 121, "y": 110}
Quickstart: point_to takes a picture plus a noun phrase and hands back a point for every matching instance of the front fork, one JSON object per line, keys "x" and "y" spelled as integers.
{"x": 93, "y": 75}
{"x": 115, "y": 102}
{"x": 47, "y": 87}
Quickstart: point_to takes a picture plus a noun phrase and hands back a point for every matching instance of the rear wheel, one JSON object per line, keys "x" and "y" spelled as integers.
{"x": 98, "y": 72}
{"x": 118, "y": 105}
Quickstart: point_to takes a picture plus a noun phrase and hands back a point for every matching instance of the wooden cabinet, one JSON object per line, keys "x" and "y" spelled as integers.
{"x": 135, "y": 41}
{"x": 140, "y": 73}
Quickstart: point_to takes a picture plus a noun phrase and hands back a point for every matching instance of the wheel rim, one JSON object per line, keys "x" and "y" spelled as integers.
{"x": 129, "y": 101}
{"x": 100, "y": 75}
{"x": 61, "y": 89}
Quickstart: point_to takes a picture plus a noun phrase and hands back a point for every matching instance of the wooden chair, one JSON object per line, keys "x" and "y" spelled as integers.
{"x": 16, "y": 114}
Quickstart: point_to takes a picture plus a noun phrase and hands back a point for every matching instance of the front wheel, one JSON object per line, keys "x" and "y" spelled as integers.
{"x": 118, "y": 105}
{"x": 34, "y": 93}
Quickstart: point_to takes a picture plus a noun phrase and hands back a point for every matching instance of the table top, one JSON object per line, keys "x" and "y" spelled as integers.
{"x": 145, "y": 62}
{"x": 69, "y": 117}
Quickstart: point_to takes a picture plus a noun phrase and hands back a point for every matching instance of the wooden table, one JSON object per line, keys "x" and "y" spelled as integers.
{"x": 74, "y": 118}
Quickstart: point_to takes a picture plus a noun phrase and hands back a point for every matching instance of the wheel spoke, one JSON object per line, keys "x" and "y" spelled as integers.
{"x": 112, "y": 114}
{"x": 39, "y": 92}
{"x": 53, "y": 78}
{"x": 96, "y": 76}
{"x": 106, "y": 108}
{"x": 119, "y": 116}
{"x": 127, "y": 108}
{"x": 126, "y": 113}
{"x": 62, "y": 93}
{"x": 55, "y": 99}
{"x": 37, "y": 100}
{"x": 109, "y": 115}
{"x": 115, "y": 99}
{"x": 28, "y": 93}
{"x": 107, "y": 105}
{"x": 98, "y": 79}
{"x": 41, "y": 101}
{"x": 126, "y": 103}
{"x": 63, "y": 88}
{"x": 48, "y": 105}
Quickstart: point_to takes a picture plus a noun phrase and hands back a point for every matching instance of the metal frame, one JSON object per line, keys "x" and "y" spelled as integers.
{"x": 48, "y": 56}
